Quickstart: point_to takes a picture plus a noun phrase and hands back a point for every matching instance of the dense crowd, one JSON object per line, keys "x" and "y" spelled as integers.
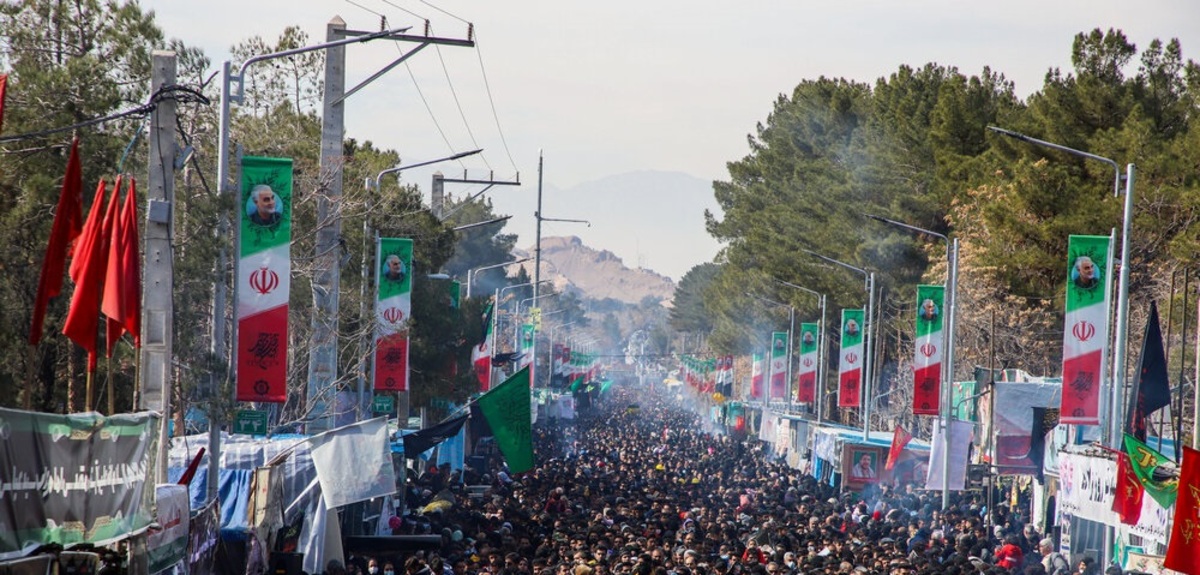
{"x": 647, "y": 492}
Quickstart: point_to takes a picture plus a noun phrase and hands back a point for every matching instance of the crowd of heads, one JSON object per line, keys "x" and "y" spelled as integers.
{"x": 649, "y": 493}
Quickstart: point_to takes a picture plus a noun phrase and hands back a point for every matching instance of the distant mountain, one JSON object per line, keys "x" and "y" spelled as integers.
{"x": 598, "y": 274}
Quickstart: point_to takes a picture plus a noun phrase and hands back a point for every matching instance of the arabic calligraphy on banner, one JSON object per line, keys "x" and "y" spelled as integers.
{"x": 1087, "y": 486}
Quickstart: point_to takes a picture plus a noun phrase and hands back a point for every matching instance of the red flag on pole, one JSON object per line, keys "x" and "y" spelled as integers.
{"x": 3, "y": 90}
{"x": 1127, "y": 501}
{"x": 83, "y": 319}
{"x": 122, "y": 284}
{"x": 900, "y": 438}
{"x": 1185, "y": 533}
{"x": 68, "y": 222}
{"x": 91, "y": 228}
{"x": 112, "y": 281}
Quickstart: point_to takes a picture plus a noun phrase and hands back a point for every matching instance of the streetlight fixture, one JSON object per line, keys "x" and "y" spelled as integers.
{"x": 820, "y": 343}
{"x": 868, "y": 339}
{"x": 947, "y": 342}
{"x": 1118, "y": 373}
{"x": 471, "y": 272}
{"x": 791, "y": 328}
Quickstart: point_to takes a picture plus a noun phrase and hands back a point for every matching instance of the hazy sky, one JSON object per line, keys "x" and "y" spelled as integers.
{"x": 606, "y": 88}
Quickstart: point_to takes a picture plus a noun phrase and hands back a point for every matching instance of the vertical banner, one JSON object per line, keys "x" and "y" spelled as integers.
{"x": 756, "y": 375}
{"x": 850, "y": 367}
{"x": 779, "y": 341}
{"x": 806, "y": 381}
{"x": 264, "y": 279}
{"x": 527, "y": 333}
{"x": 1085, "y": 331}
{"x": 393, "y": 306}
{"x": 927, "y": 355}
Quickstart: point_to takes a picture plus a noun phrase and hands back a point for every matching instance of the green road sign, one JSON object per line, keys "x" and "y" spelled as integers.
{"x": 383, "y": 404}
{"x": 250, "y": 422}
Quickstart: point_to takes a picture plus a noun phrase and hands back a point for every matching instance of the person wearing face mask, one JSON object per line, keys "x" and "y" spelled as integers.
{"x": 388, "y": 569}
{"x": 373, "y": 567}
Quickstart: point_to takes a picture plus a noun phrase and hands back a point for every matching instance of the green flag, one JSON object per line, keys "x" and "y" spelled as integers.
{"x": 575, "y": 384}
{"x": 1144, "y": 460}
{"x": 507, "y": 410}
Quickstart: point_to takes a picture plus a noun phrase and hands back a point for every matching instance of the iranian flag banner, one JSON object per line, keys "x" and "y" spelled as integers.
{"x": 850, "y": 367}
{"x": 393, "y": 307}
{"x": 264, "y": 279}
{"x": 779, "y": 348}
{"x": 756, "y": 375}
{"x": 527, "y": 334}
{"x": 481, "y": 354}
{"x": 1085, "y": 331}
{"x": 927, "y": 355}
{"x": 806, "y": 381}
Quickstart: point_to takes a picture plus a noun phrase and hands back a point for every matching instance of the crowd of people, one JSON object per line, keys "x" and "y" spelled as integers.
{"x": 649, "y": 492}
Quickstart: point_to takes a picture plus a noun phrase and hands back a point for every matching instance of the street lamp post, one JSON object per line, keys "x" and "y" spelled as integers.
{"x": 496, "y": 310}
{"x": 869, "y": 276}
{"x": 1118, "y": 369}
{"x": 471, "y": 273}
{"x": 947, "y": 343}
{"x": 820, "y": 343}
{"x": 791, "y": 328}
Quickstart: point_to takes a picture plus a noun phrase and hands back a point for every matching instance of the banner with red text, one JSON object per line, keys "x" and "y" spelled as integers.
{"x": 393, "y": 306}
{"x": 850, "y": 362}
{"x": 264, "y": 279}
{"x": 927, "y": 355}
{"x": 1085, "y": 331}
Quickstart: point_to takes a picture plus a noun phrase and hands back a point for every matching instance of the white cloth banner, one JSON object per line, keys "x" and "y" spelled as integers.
{"x": 354, "y": 463}
{"x": 960, "y": 441}
{"x": 168, "y": 545}
{"x": 1087, "y": 486}
{"x": 767, "y": 432}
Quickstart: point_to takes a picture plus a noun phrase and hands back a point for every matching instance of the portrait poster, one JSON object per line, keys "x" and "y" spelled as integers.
{"x": 393, "y": 306}
{"x": 779, "y": 359}
{"x": 806, "y": 380}
{"x": 850, "y": 360}
{"x": 927, "y": 352}
{"x": 1085, "y": 329}
{"x": 862, "y": 464}
{"x": 264, "y": 279}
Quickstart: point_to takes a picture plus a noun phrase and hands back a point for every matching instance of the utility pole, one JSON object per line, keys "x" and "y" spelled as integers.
{"x": 537, "y": 256}
{"x": 157, "y": 304}
{"x": 326, "y": 285}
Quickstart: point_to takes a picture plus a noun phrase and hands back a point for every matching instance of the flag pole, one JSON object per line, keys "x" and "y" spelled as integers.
{"x": 108, "y": 390}
{"x": 87, "y": 400}
{"x": 27, "y": 401}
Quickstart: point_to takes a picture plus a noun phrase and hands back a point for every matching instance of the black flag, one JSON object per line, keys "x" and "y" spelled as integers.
{"x": 1151, "y": 390}
{"x": 419, "y": 442}
{"x": 1044, "y": 420}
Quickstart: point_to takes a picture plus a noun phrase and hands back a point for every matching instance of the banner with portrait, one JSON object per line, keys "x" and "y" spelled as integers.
{"x": 264, "y": 274}
{"x": 756, "y": 375}
{"x": 806, "y": 380}
{"x": 1085, "y": 331}
{"x": 393, "y": 307}
{"x": 850, "y": 359}
{"x": 927, "y": 352}
{"x": 779, "y": 352}
{"x": 69, "y": 479}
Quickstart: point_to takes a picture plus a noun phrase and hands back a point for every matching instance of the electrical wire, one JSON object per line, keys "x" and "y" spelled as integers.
{"x": 458, "y": 104}
{"x": 488, "y": 88}
{"x": 181, "y": 94}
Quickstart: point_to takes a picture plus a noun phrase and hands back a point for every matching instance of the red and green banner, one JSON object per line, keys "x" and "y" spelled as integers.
{"x": 927, "y": 355}
{"x": 393, "y": 306}
{"x": 806, "y": 381}
{"x": 850, "y": 366}
{"x": 264, "y": 279}
{"x": 1085, "y": 331}
{"x": 779, "y": 348}
{"x": 756, "y": 375}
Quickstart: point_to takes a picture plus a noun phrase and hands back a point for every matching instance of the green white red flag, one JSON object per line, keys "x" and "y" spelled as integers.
{"x": 806, "y": 380}
{"x": 850, "y": 366}
{"x": 393, "y": 307}
{"x": 264, "y": 279}
{"x": 927, "y": 355}
{"x": 481, "y": 354}
{"x": 1085, "y": 331}
{"x": 779, "y": 347}
{"x": 756, "y": 375}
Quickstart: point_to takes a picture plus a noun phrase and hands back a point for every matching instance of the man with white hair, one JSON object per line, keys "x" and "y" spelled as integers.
{"x": 264, "y": 213}
{"x": 1052, "y": 560}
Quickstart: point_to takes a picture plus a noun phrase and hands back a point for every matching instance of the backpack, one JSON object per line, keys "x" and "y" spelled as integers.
{"x": 1058, "y": 564}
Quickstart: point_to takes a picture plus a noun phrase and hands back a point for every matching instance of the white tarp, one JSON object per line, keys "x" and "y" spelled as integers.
{"x": 1087, "y": 486}
{"x": 168, "y": 545}
{"x": 767, "y": 430}
{"x": 960, "y": 440}
{"x": 354, "y": 463}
